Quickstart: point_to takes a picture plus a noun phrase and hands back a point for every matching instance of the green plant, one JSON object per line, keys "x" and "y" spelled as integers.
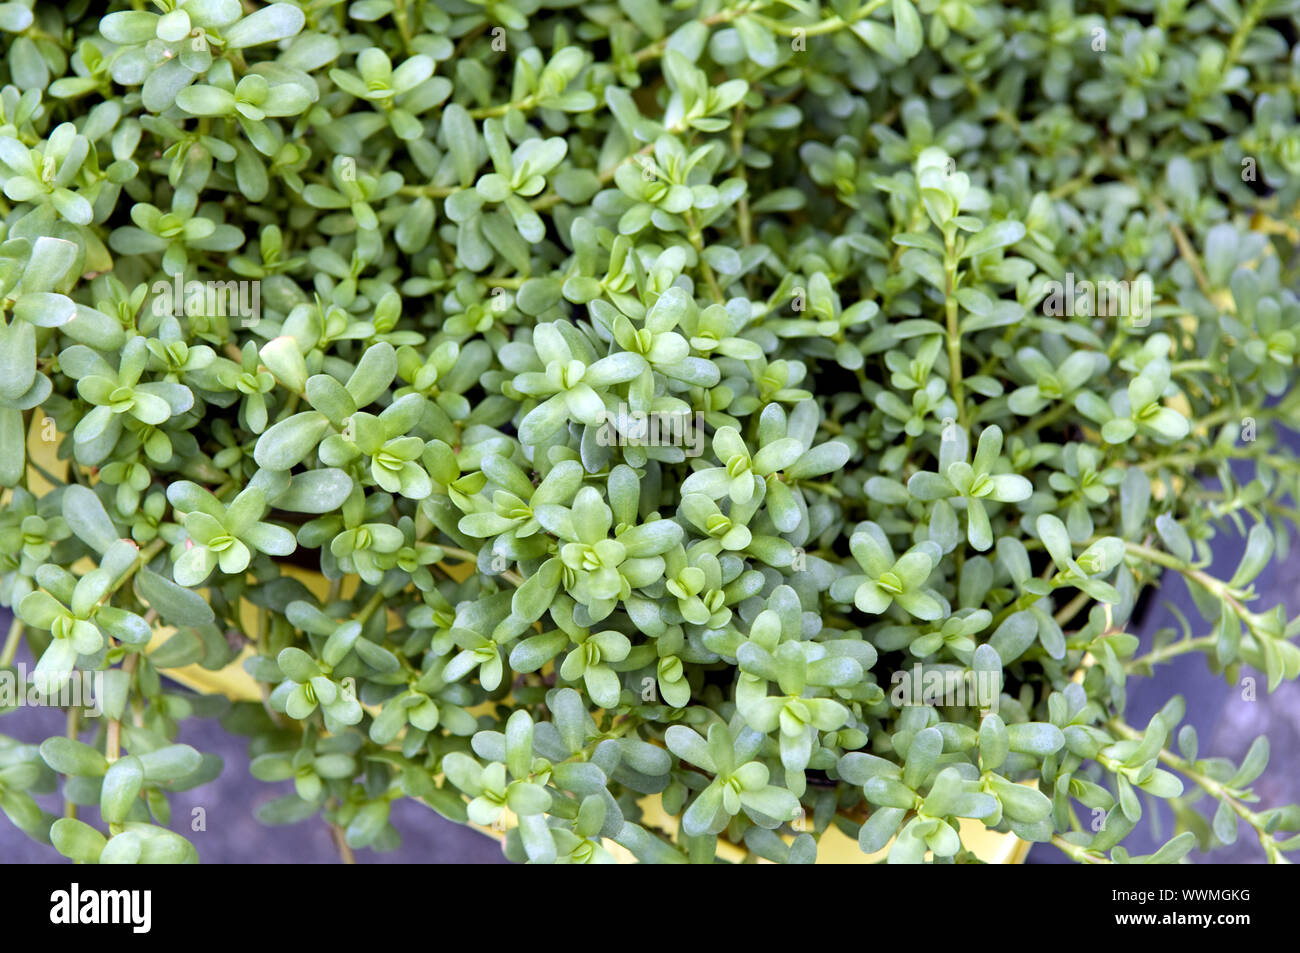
{"x": 408, "y": 294}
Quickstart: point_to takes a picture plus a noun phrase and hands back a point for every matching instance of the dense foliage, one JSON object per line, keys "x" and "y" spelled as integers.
{"x": 394, "y": 291}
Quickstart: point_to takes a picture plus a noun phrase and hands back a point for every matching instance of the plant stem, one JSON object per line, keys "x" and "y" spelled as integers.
{"x": 1079, "y": 854}
{"x": 829, "y": 25}
{"x": 743, "y": 221}
{"x": 1216, "y": 587}
{"x": 1044, "y": 419}
{"x": 1071, "y": 608}
{"x": 954, "y": 330}
{"x": 1290, "y": 512}
{"x": 1185, "y": 249}
{"x": 1215, "y": 789}
{"x": 696, "y": 237}
{"x": 11, "y": 642}
{"x": 113, "y": 741}
{"x": 146, "y": 554}
{"x": 431, "y": 191}
{"x": 403, "y": 27}
{"x": 657, "y": 48}
{"x": 823, "y": 488}
{"x": 341, "y": 842}
{"x": 374, "y": 602}
{"x": 513, "y": 578}
{"x": 73, "y": 729}
{"x": 1172, "y": 650}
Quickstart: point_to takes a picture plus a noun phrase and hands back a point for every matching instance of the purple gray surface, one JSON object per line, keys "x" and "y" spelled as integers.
{"x": 1225, "y": 718}
{"x": 233, "y": 834}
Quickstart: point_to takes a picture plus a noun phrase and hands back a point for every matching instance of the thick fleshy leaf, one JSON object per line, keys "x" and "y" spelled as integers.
{"x": 287, "y": 443}
{"x": 270, "y": 24}
{"x": 86, "y": 516}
